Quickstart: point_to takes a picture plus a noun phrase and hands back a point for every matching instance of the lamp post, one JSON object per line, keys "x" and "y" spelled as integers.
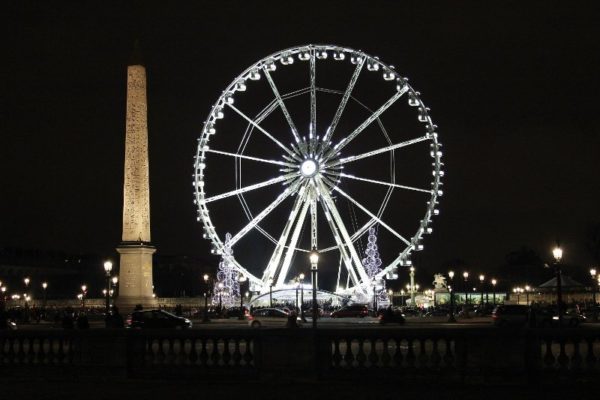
{"x": 593, "y": 273}
{"x": 220, "y": 286}
{"x": 83, "y": 293}
{"x": 271, "y": 292}
{"x": 527, "y": 290}
{"x": 44, "y": 287}
{"x": 107, "y": 268}
{"x": 451, "y": 290}
{"x": 481, "y": 286}
{"x": 374, "y": 283}
{"x": 205, "y": 318}
{"x": 412, "y": 286}
{"x": 494, "y": 282}
{"x": 314, "y": 261}
{"x": 241, "y": 279}
{"x": 402, "y": 297}
{"x": 517, "y": 291}
{"x": 558, "y": 253}
{"x": 466, "y": 278}
{"x": 301, "y": 276}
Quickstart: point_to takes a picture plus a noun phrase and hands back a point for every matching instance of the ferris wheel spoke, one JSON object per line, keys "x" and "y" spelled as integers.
{"x": 313, "y": 95}
{"x": 368, "y": 121}
{"x": 266, "y": 211}
{"x": 344, "y": 101}
{"x": 287, "y": 261}
{"x": 341, "y": 227}
{"x": 394, "y": 185}
{"x": 284, "y": 109}
{"x": 263, "y": 160}
{"x": 370, "y": 214}
{"x": 267, "y": 134}
{"x": 368, "y": 154}
{"x": 249, "y": 188}
{"x": 346, "y": 258}
{"x": 275, "y": 260}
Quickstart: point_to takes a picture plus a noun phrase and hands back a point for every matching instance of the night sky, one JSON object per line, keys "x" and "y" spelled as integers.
{"x": 512, "y": 87}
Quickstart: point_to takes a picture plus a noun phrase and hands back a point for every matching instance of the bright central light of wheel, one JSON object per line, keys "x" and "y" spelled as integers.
{"x": 308, "y": 168}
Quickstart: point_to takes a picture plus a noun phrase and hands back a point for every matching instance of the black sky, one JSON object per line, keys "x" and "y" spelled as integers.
{"x": 513, "y": 88}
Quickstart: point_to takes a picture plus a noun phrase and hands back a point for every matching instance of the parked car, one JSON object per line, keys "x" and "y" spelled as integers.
{"x": 270, "y": 317}
{"x": 353, "y": 311}
{"x": 510, "y": 315}
{"x": 154, "y": 319}
{"x": 547, "y": 317}
{"x": 389, "y": 316}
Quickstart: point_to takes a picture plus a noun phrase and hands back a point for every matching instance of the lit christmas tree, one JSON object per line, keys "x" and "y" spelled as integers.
{"x": 372, "y": 264}
{"x": 227, "y": 287}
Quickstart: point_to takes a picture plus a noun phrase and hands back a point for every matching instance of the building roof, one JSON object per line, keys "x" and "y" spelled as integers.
{"x": 566, "y": 282}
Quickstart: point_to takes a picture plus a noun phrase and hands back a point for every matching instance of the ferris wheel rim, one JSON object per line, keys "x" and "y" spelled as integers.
{"x": 260, "y": 65}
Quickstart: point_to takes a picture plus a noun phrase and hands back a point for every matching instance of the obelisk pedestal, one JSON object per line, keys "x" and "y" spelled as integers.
{"x": 135, "y": 281}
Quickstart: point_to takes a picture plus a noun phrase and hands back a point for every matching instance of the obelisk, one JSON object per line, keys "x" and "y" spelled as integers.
{"x": 135, "y": 280}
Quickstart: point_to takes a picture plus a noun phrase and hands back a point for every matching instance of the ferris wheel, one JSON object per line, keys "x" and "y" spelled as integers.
{"x": 323, "y": 162}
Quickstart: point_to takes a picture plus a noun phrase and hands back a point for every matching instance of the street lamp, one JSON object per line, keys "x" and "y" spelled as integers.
{"x": 220, "y": 286}
{"x": 107, "y": 268}
{"x": 593, "y": 273}
{"x": 26, "y": 280}
{"x": 391, "y": 296}
{"x": 451, "y": 276}
{"x": 270, "y": 281}
{"x": 205, "y": 318}
{"x": 241, "y": 279}
{"x": 494, "y": 282}
{"x": 374, "y": 283}
{"x": 314, "y": 261}
{"x": 412, "y": 286}
{"x": 527, "y": 290}
{"x": 83, "y": 293}
{"x": 466, "y": 278}
{"x": 44, "y": 286}
{"x": 301, "y": 276}
{"x": 481, "y": 284}
{"x": 558, "y": 253}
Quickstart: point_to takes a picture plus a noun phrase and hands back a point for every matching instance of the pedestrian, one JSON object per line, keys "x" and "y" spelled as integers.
{"x": 117, "y": 319}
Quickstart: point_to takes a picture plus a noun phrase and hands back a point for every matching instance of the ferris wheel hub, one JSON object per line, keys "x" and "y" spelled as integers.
{"x": 309, "y": 168}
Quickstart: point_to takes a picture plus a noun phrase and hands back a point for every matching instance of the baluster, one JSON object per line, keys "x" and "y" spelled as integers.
{"x": 69, "y": 350}
{"x": 36, "y": 351}
{"x": 193, "y": 354}
{"x": 349, "y": 357}
{"x": 226, "y": 352}
{"x": 373, "y": 355}
{"x": 237, "y": 355}
{"x": 385, "y": 353}
{"x": 18, "y": 342}
{"x": 435, "y": 358}
{"x": 46, "y": 351}
{"x": 423, "y": 357}
{"x": 549, "y": 358}
{"x": 576, "y": 359}
{"x": 336, "y": 358}
{"x": 449, "y": 354}
{"x": 563, "y": 360}
{"x": 25, "y": 350}
{"x": 203, "y": 353}
{"x": 177, "y": 353}
{"x": 11, "y": 351}
{"x": 215, "y": 356}
{"x": 398, "y": 353}
{"x": 151, "y": 349}
{"x": 59, "y": 351}
{"x": 360, "y": 356}
{"x": 2, "y": 352}
{"x": 590, "y": 358}
{"x": 248, "y": 354}
{"x": 410, "y": 353}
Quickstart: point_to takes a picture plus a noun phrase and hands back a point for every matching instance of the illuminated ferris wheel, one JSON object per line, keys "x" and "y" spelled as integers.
{"x": 340, "y": 144}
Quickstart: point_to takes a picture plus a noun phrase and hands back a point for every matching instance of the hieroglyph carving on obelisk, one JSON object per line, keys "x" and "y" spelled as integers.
{"x": 135, "y": 283}
{"x": 136, "y": 190}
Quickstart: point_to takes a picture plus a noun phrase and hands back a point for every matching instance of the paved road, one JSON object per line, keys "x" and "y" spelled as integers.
{"x": 330, "y": 323}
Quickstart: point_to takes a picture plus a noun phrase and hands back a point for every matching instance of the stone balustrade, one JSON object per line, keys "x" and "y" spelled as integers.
{"x": 455, "y": 354}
